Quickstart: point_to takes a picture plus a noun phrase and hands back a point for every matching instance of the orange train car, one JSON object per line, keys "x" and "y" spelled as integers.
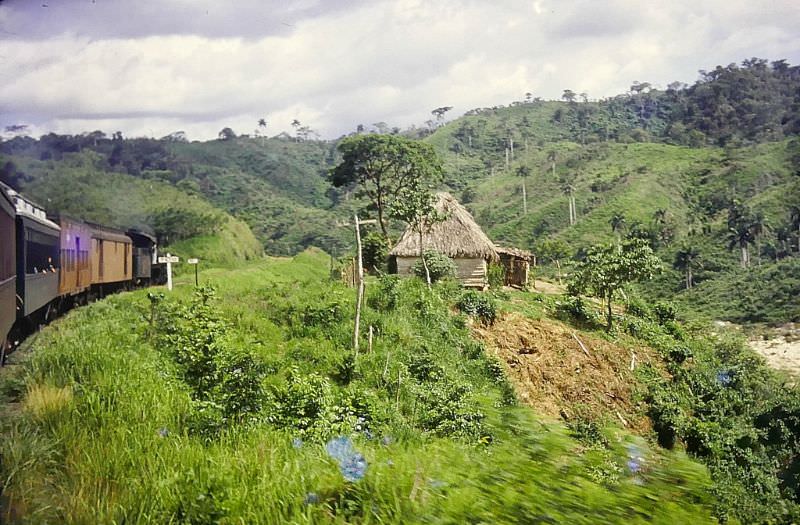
{"x": 76, "y": 273}
{"x": 111, "y": 259}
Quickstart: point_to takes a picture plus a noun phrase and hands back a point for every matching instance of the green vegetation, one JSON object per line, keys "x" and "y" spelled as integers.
{"x": 712, "y": 167}
{"x": 210, "y": 407}
{"x": 186, "y": 225}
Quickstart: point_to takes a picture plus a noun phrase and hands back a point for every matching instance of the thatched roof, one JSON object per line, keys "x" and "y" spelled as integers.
{"x": 458, "y": 236}
{"x": 514, "y": 252}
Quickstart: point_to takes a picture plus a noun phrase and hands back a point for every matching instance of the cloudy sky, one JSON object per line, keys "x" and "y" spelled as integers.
{"x": 151, "y": 67}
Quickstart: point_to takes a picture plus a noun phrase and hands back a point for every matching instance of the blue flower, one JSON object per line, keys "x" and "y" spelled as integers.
{"x": 297, "y": 442}
{"x": 339, "y": 448}
{"x": 353, "y": 467}
{"x": 724, "y": 377}
{"x": 163, "y": 432}
{"x": 635, "y": 459}
{"x": 387, "y": 440}
{"x": 311, "y": 498}
{"x": 351, "y": 463}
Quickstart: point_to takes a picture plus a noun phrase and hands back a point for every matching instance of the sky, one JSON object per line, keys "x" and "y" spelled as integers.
{"x": 150, "y": 68}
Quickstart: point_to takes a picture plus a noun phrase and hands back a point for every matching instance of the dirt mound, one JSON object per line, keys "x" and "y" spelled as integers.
{"x": 561, "y": 372}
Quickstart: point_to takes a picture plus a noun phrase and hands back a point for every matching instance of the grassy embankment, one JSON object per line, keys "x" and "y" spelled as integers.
{"x": 218, "y": 408}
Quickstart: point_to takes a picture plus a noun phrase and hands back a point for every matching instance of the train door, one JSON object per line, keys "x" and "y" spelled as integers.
{"x": 101, "y": 250}
{"x": 77, "y": 262}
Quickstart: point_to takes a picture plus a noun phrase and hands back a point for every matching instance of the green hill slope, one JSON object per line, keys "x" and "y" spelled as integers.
{"x": 191, "y": 226}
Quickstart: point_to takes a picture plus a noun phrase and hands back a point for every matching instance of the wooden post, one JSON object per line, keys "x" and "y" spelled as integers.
{"x": 360, "y": 276}
{"x": 360, "y": 293}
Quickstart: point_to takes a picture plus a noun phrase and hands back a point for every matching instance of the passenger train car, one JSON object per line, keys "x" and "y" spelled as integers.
{"x": 50, "y": 264}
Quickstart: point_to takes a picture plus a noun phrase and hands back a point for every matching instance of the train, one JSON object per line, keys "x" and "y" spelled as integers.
{"x": 51, "y": 263}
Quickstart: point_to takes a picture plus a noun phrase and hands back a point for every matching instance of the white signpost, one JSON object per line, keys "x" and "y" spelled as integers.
{"x": 169, "y": 259}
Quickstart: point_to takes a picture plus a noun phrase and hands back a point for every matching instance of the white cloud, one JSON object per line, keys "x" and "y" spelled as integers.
{"x": 389, "y": 61}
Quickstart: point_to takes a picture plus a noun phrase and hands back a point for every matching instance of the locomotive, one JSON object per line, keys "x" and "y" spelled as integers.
{"x": 48, "y": 264}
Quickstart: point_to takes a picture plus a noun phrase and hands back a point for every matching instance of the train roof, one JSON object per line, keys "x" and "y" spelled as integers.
{"x": 28, "y": 209}
{"x": 6, "y": 204}
{"x": 108, "y": 234}
{"x": 150, "y": 237}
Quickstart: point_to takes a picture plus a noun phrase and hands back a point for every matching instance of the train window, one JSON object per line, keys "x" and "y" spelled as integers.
{"x": 7, "y": 264}
{"x": 42, "y": 252}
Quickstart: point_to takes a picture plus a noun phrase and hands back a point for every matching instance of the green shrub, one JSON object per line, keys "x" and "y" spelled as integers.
{"x": 478, "y": 305}
{"x": 374, "y": 252}
{"x": 496, "y": 275}
{"x": 572, "y": 308}
{"x": 439, "y": 266}
{"x": 387, "y": 294}
{"x": 664, "y": 312}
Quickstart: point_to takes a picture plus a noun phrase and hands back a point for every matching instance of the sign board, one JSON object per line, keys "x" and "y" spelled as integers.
{"x": 170, "y": 259}
{"x": 192, "y": 261}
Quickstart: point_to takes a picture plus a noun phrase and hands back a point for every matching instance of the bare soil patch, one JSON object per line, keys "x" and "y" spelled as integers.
{"x": 781, "y": 348}
{"x": 554, "y": 375}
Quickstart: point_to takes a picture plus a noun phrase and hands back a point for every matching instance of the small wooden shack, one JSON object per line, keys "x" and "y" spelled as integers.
{"x": 517, "y": 265}
{"x": 458, "y": 236}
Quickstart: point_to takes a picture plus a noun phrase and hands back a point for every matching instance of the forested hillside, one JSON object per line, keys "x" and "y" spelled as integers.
{"x": 707, "y": 174}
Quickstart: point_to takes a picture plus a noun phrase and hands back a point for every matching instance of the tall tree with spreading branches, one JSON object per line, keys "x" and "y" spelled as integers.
{"x": 384, "y": 168}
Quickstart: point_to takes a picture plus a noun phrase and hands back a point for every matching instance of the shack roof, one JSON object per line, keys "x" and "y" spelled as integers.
{"x": 458, "y": 236}
{"x": 515, "y": 252}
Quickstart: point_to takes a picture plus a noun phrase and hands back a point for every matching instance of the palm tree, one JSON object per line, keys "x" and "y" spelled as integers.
{"x": 524, "y": 171}
{"x": 783, "y": 235}
{"x": 758, "y": 227}
{"x": 617, "y": 223}
{"x": 741, "y": 235}
{"x": 569, "y": 191}
{"x": 551, "y": 158}
{"x": 794, "y": 222}
{"x": 686, "y": 260}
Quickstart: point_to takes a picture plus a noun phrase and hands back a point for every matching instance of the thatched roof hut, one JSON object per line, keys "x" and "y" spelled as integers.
{"x": 458, "y": 236}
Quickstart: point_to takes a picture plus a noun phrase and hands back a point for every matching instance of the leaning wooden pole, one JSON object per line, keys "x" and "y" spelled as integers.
{"x": 360, "y": 293}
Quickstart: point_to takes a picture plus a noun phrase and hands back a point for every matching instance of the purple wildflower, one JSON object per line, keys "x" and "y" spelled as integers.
{"x": 387, "y": 440}
{"x": 724, "y": 377}
{"x": 297, "y": 443}
{"x": 353, "y": 467}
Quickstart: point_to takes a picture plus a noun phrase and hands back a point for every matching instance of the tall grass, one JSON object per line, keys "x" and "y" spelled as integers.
{"x": 428, "y": 410}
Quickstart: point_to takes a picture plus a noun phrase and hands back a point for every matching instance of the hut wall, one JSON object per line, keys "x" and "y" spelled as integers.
{"x": 516, "y": 270}
{"x": 471, "y": 272}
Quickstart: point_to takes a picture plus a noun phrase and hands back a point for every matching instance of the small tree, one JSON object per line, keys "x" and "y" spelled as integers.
{"x": 226, "y": 134}
{"x": 416, "y": 206}
{"x": 606, "y": 270}
{"x": 552, "y": 250}
{"x": 687, "y": 259}
{"x": 617, "y": 223}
